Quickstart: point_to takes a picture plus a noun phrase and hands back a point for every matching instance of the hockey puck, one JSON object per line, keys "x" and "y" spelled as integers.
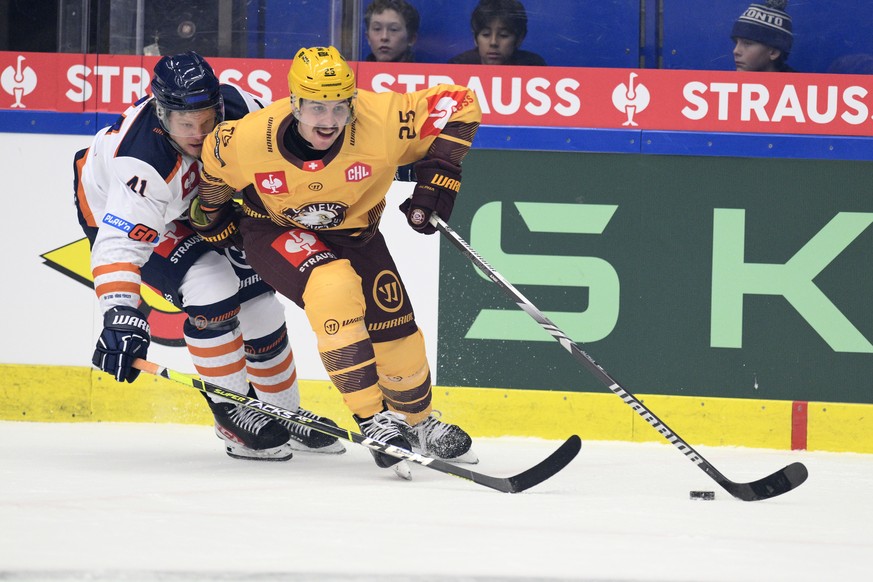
{"x": 703, "y": 495}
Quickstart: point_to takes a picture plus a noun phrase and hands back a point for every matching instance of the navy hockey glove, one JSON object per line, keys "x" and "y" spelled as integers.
{"x": 220, "y": 226}
{"x": 405, "y": 173}
{"x": 438, "y": 184}
{"x": 125, "y": 337}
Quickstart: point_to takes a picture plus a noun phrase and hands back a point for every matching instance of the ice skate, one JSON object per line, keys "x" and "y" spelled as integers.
{"x": 439, "y": 440}
{"x": 308, "y": 440}
{"x": 248, "y": 434}
{"x": 384, "y": 427}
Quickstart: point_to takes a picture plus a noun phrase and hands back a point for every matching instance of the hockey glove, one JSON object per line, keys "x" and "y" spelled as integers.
{"x": 405, "y": 173}
{"x": 220, "y": 226}
{"x": 125, "y": 337}
{"x": 438, "y": 184}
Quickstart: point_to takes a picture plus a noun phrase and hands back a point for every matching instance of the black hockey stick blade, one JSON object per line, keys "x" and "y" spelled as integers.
{"x": 543, "y": 470}
{"x": 547, "y": 467}
{"x": 524, "y": 480}
{"x": 778, "y": 483}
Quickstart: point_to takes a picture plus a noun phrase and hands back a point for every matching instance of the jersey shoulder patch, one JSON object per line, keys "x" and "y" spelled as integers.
{"x": 145, "y": 140}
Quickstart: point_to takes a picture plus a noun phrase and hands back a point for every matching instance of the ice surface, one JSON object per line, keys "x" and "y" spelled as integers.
{"x": 127, "y": 502}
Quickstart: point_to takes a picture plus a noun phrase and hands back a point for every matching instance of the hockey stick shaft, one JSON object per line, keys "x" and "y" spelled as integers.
{"x": 775, "y": 484}
{"x": 545, "y": 469}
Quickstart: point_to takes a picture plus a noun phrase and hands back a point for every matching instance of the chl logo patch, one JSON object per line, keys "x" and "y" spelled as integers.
{"x": 271, "y": 182}
{"x": 358, "y": 171}
{"x": 298, "y": 245}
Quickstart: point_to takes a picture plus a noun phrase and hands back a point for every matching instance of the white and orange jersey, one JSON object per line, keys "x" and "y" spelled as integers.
{"x": 344, "y": 192}
{"x": 132, "y": 185}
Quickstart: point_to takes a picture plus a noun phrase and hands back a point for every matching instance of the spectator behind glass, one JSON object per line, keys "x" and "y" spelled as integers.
{"x": 857, "y": 64}
{"x": 762, "y": 38}
{"x": 392, "y": 29}
{"x": 499, "y": 27}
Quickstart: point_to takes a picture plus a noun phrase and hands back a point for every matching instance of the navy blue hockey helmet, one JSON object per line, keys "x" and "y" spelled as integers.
{"x": 186, "y": 82}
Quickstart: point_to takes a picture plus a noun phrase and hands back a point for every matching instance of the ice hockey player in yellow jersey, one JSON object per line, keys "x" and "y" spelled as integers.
{"x": 314, "y": 169}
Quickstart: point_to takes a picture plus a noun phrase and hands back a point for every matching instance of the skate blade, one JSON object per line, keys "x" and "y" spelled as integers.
{"x": 469, "y": 457}
{"x": 259, "y": 457}
{"x": 402, "y": 470}
{"x": 336, "y": 448}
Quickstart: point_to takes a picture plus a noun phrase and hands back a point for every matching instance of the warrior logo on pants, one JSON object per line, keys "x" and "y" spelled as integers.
{"x": 388, "y": 292}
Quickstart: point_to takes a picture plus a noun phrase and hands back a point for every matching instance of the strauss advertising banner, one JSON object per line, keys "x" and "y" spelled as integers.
{"x": 704, "y": 101}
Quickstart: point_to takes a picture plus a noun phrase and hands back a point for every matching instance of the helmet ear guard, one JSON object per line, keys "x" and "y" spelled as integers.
{"x": 321, "y": 74}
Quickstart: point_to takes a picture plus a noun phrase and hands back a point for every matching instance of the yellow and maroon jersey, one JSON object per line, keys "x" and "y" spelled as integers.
{"x": 344, "y": 192}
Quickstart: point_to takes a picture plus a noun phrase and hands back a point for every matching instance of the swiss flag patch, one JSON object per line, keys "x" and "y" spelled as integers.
{"x": 298, "y": 245}
{"x": 271, "y": 182}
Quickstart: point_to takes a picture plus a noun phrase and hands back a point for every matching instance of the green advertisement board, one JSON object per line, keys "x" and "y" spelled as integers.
{"x": 698, "y": 276}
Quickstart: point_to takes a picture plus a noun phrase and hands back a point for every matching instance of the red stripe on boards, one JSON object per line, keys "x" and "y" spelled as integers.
{"x": 799, "y": 423}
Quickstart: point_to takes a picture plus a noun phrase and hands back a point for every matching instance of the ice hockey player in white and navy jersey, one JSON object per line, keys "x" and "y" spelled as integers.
{"x": 133, "y": 186}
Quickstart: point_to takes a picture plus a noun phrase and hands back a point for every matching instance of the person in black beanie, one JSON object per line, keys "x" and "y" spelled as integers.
{"x": 762, "y": 38}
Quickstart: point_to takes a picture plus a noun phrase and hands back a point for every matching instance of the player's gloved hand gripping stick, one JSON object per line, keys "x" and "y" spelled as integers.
{"x": 219, "y": 226}
{"x": 438, "y": 182}
{"x": 126, "y": 336}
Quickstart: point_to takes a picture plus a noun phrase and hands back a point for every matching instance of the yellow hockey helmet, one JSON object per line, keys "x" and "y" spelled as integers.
{"x": 320, "y": 74}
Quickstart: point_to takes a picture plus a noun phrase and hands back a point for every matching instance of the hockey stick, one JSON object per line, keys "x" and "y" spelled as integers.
{"x": 524, "y": 480}
{"x": 778, "y": 483}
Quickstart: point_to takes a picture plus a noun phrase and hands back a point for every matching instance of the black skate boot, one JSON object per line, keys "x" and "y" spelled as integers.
{"x": 439, "y": 440}
{"x": 309, "y": 440}
{"x": 248, "y": 434}
{"x": 384, "y": 427}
